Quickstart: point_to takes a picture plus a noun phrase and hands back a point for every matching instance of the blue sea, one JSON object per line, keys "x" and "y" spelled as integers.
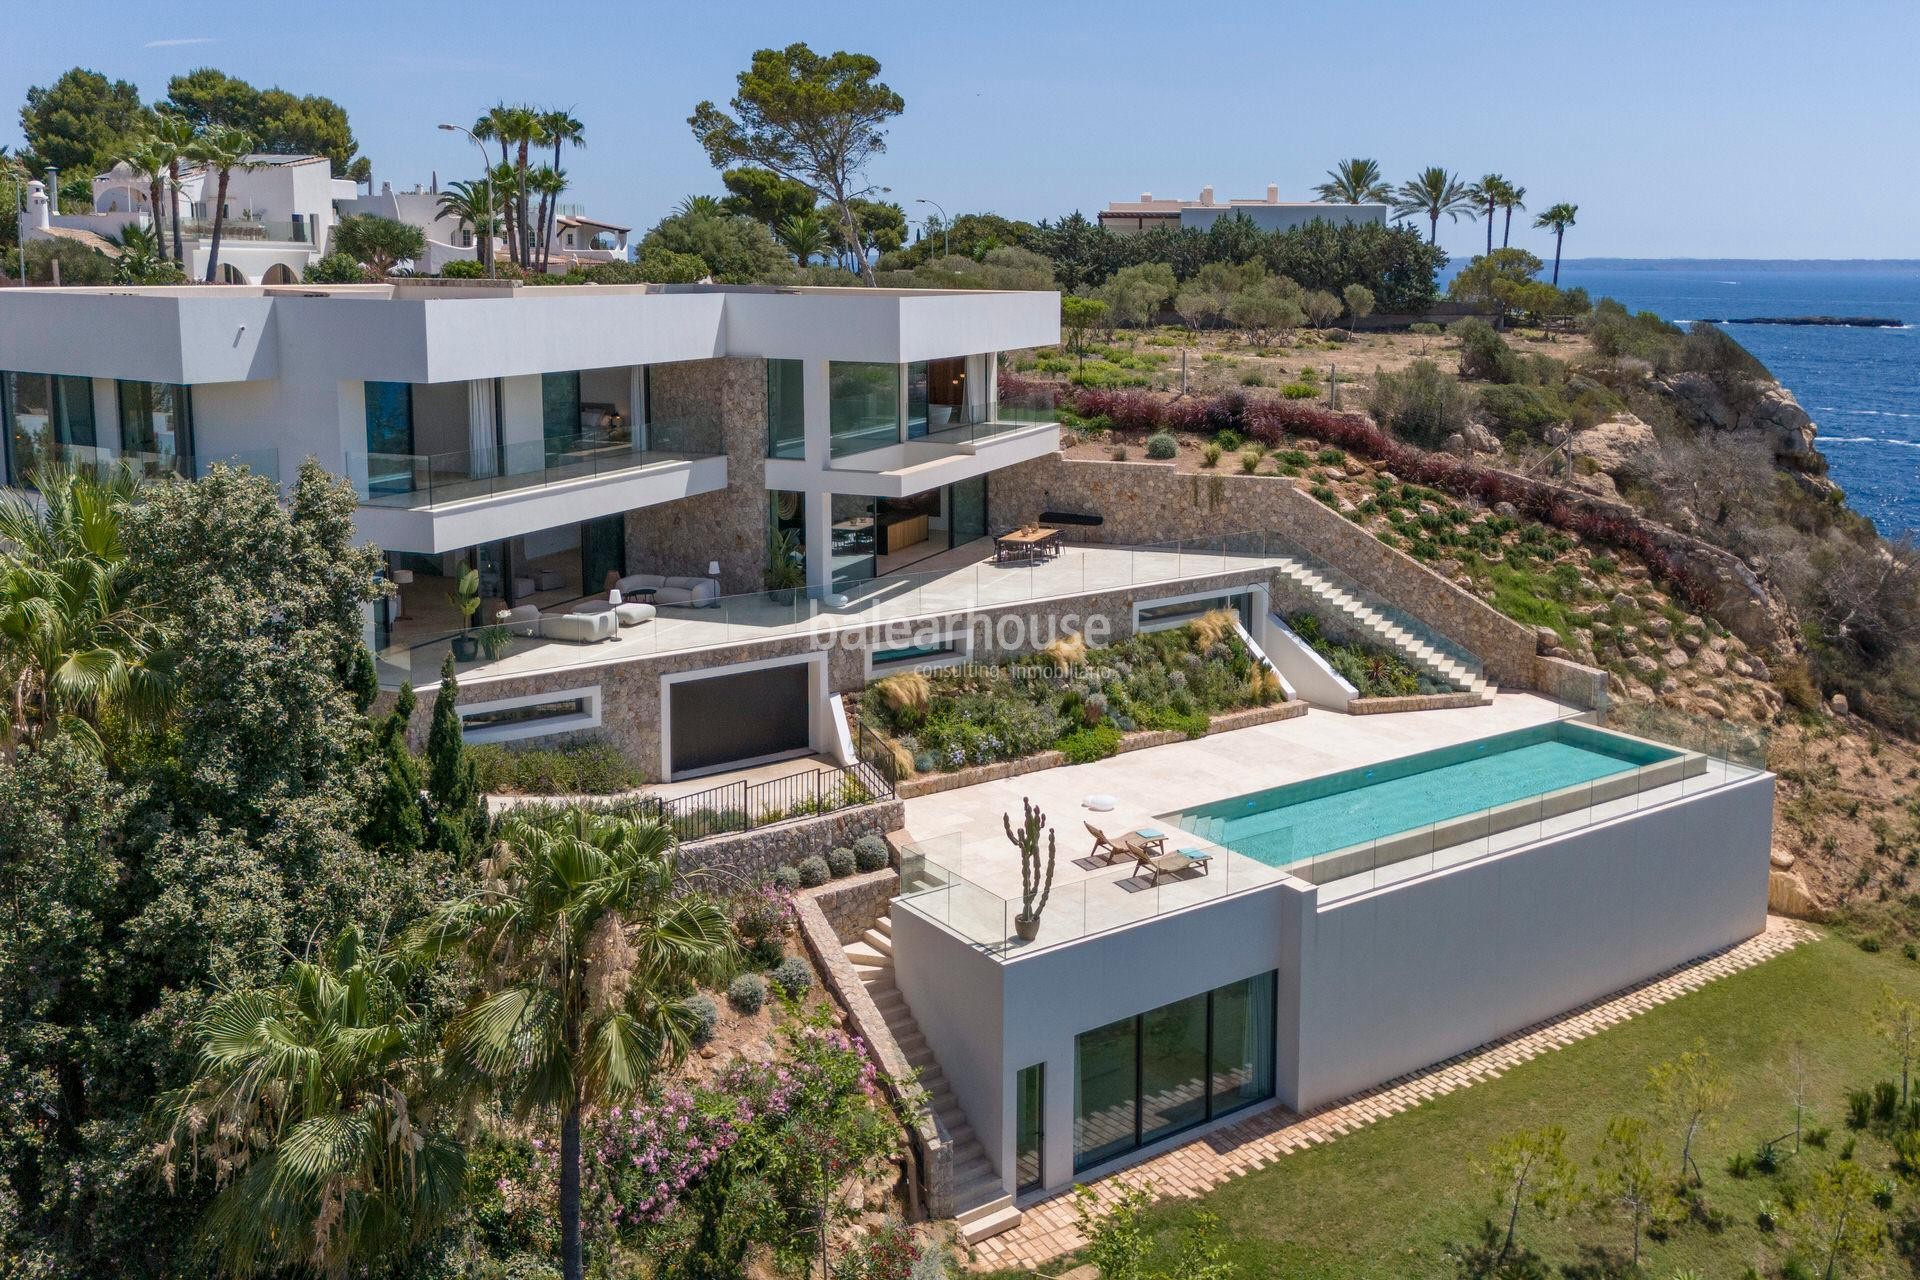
{"x": 1862, "y": 386}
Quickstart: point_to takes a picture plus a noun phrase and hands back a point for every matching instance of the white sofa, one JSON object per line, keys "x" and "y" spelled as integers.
{"x": 581, "y": 628}
{"x": 696, "y": 593}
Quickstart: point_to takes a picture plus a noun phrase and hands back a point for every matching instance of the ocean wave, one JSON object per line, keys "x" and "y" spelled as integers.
{"x": 1849, "y": 439}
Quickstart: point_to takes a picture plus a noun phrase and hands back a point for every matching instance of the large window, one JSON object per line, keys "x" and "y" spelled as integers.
{"x": 1144, "y": 1078}
{"x": 156, "y": 418}
{"x": 46, "y": 416}
{"x": 786, "y": 415}
{"x": 863, "y": 406}
{"x": 560, "y": 412}
{"x": 389, "y": 417}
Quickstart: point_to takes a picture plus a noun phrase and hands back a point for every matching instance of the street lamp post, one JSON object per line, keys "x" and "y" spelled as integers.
{"x": 946, "y": 244}
{"x": 486, "y": 179}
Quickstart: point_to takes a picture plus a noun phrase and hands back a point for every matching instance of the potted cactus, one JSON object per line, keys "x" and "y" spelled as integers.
{"x": 1035, "y": 888}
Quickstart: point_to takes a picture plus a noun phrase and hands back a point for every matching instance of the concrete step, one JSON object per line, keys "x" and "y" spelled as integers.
{"x": 910, "y": 1044}
{"x": 884, "y": 925}
{"x": 960, "y": 1131}
{"x": 863, "y": 954}
{"x": 1005, "y": 1218}
{"x": 982, "y": 1209}
{"x": 879, "y": 942}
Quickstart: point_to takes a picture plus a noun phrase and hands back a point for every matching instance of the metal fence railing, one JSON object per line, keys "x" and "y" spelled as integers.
{"x": 743, "y": 806}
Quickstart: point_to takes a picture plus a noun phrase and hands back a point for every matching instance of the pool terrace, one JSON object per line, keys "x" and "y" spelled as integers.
{"x": 963, "y": 873}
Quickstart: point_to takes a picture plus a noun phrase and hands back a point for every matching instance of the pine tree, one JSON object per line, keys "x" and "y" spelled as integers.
{"x": 453, "y": 786}
{"x": 363, "y": 684}
{"x": 396, "y": 821}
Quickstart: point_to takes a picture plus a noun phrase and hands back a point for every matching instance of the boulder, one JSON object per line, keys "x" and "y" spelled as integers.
{"x": 1659, "y": 625}
{"x": 1506, "y": 509}
{"x": 1622, "y": 602}
{"x": 1700, "y": 400}
{"x": 1642, "y": 665}
{"x": 1778, "y": 417}
{"x": 1677, "y": 657}
{"x": 1620, "y": 446}
{"x": 1782, "y": 860}
{"x": 1839, "y": 704}
{"x": 1788, "y": 895}
{"x": 1544, "y": 638}
{"x": 1480, "y": 440}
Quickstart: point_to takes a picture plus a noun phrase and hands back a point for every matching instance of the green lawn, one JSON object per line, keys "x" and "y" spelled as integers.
{"x": 1389, "y": 1200}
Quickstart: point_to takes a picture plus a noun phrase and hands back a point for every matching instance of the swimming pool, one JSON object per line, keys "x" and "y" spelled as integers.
{"x": 1301, "y": 820}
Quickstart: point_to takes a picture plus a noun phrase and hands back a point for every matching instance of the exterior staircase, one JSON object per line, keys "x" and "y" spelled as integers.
{"x": 980, "y": 1205}
{"x": 1383, "y": 628}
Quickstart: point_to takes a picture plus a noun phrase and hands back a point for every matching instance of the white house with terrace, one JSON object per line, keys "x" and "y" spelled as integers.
{"x": 697, "y": 520}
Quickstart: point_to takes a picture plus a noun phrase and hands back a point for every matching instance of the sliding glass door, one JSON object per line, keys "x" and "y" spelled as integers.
{"x": 1030, "y": 1093}
{"x": 1147, "y": 1077}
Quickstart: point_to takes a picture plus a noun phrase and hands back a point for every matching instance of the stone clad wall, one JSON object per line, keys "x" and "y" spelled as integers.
{"x": 730, "y": 525}
{"x": 753, "y": 853}
{"x": 1143, "y": 504}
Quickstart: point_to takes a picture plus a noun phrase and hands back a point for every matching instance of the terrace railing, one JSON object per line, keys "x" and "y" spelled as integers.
{"x": 102, "y": 461}
{"x": 971, "y": 424}
{"x": 429, "y": 479}
{"x": 944, "y": 880}
{"x": 744, "y": 806}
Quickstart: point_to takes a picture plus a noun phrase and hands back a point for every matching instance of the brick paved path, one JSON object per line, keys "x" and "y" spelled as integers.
{"x": 1047, "y": 1230}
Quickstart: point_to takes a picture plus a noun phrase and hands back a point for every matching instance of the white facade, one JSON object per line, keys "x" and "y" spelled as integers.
{"x": 1271, "y": 213}
{"x": 1368, "y": 986}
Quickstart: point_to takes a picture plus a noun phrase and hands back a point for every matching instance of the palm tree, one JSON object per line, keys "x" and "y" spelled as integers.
{"x": 505, "y": 179}
{"x": 549, "y": 183}
{"x": 516, "y": 127}
{"x": 221, "y": 150}
{"x": 699, "y": 207}
{"x": 803, "y": 236}
{"x": 314, "y": 1108}
{"x": 1488, "y": 192}
{"x": 1354, "y": 182}
{"x": 78, "y": 645}
{"x": 1559, "y": 218}
{"x": 151, "y": 158}
{"x": 175, "y": 134}
{"x": 560, "y": 128}
{"x": 587, "y": 950}
{"x": 1510, "y": 199}
{"x": 1433, "y": 192}
{"x": 473, "y": 204}
{"x": 141, "y": 254}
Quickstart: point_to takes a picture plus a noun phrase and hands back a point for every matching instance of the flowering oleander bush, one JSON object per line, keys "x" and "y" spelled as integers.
{"x": 1175, "y": 679}
{"x": 887, "y": 1254}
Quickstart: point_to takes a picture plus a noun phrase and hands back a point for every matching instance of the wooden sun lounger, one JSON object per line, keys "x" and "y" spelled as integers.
{"x": 1155, "y": 865}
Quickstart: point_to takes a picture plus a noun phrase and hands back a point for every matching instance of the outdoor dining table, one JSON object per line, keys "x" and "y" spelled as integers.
{"x": 1036, "y": 543}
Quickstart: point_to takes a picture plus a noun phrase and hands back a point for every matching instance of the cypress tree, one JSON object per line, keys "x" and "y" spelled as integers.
{"x": 453, "y": 786}
{"x": 396, "y": 821}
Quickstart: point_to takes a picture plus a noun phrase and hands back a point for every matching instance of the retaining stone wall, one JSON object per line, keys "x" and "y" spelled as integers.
{"x": 757, "y": 852}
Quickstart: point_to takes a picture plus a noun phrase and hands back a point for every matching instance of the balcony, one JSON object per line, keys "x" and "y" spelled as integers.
{"x": 246, "y": 229}
{"x": 971, "y": 442}
{"x": 443, "y": 501}
{"x": 101, "y": 460}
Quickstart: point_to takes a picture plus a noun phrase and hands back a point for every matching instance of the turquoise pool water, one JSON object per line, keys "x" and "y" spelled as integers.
{"x": 1306, "y": 819}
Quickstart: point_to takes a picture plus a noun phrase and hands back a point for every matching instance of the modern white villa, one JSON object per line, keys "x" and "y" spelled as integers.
{"x": 280, "y": 215}
{"x": 700, "y": 519}
{"x": 1268, "y": 212}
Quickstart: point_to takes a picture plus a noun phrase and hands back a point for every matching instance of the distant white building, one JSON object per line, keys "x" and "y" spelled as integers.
{"x": 280, "y": 215}
{"x": 1130, "y": 217}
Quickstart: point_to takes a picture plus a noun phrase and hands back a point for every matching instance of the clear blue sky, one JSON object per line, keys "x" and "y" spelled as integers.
{"x": 1681, "y": 129}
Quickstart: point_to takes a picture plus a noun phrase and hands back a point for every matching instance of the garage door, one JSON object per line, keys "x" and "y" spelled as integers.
{"x": 725, "y": 720}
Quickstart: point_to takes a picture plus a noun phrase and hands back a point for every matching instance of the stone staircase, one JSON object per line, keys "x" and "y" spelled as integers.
{"x": 1383, "y": 629}
{"x": 980, "y": 1205}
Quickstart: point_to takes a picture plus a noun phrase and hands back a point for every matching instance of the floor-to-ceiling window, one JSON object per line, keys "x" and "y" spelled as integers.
{"x": 390, "y": 462}
{"x": 1030, "y": 1095}
{"x": 1144, "y": 1078}
{"x": 863, "y": 406}
{"x": 855, "y": 539}
{"x": 46, "y": 417}
{"x": 560, "y": 413}
{"x": 916, "y": 400}
{"x": 786, "y": 415}
{"x": 156, "y": 418}
{"x": 786, "y": 539}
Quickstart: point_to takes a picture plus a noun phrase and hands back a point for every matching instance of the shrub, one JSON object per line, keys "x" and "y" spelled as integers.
{"x": 1210, "y": 455}
{"x": 1859, "y": 1108}
{"x": 747, "y": 993}
{"x": 870, "y": 853}
{"x": 1161, "y": 446}
{"x": 1250, "y": 461}
{"x": 786, "y": 877}
{"x": 708, "y": 1014}
{"x": 1870, "y": 943}
{"x": 1420, "y": 403}
{"x": 1118, "y": 453}
{"x": 1523, "y": 408}
{"x": 762, "y": 915}
{"x": 1089, "y": 743}
{"x": 814, "y": 871}
{"x": 335, "y": 268}
{"x": 840, "y": 861}
{"x": 1484, "y": 354}
{"x": 1228, "y": 440}
{"x": 593, "y": 767}
{"x": 792, "y": 977}
{"x": 1817, "y": 1135}
{"x": 1299, "y": 391}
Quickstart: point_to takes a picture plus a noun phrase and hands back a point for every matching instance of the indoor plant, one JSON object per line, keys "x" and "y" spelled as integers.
{"x": 466, "y": 598}
{"x": 786, "y": 571}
